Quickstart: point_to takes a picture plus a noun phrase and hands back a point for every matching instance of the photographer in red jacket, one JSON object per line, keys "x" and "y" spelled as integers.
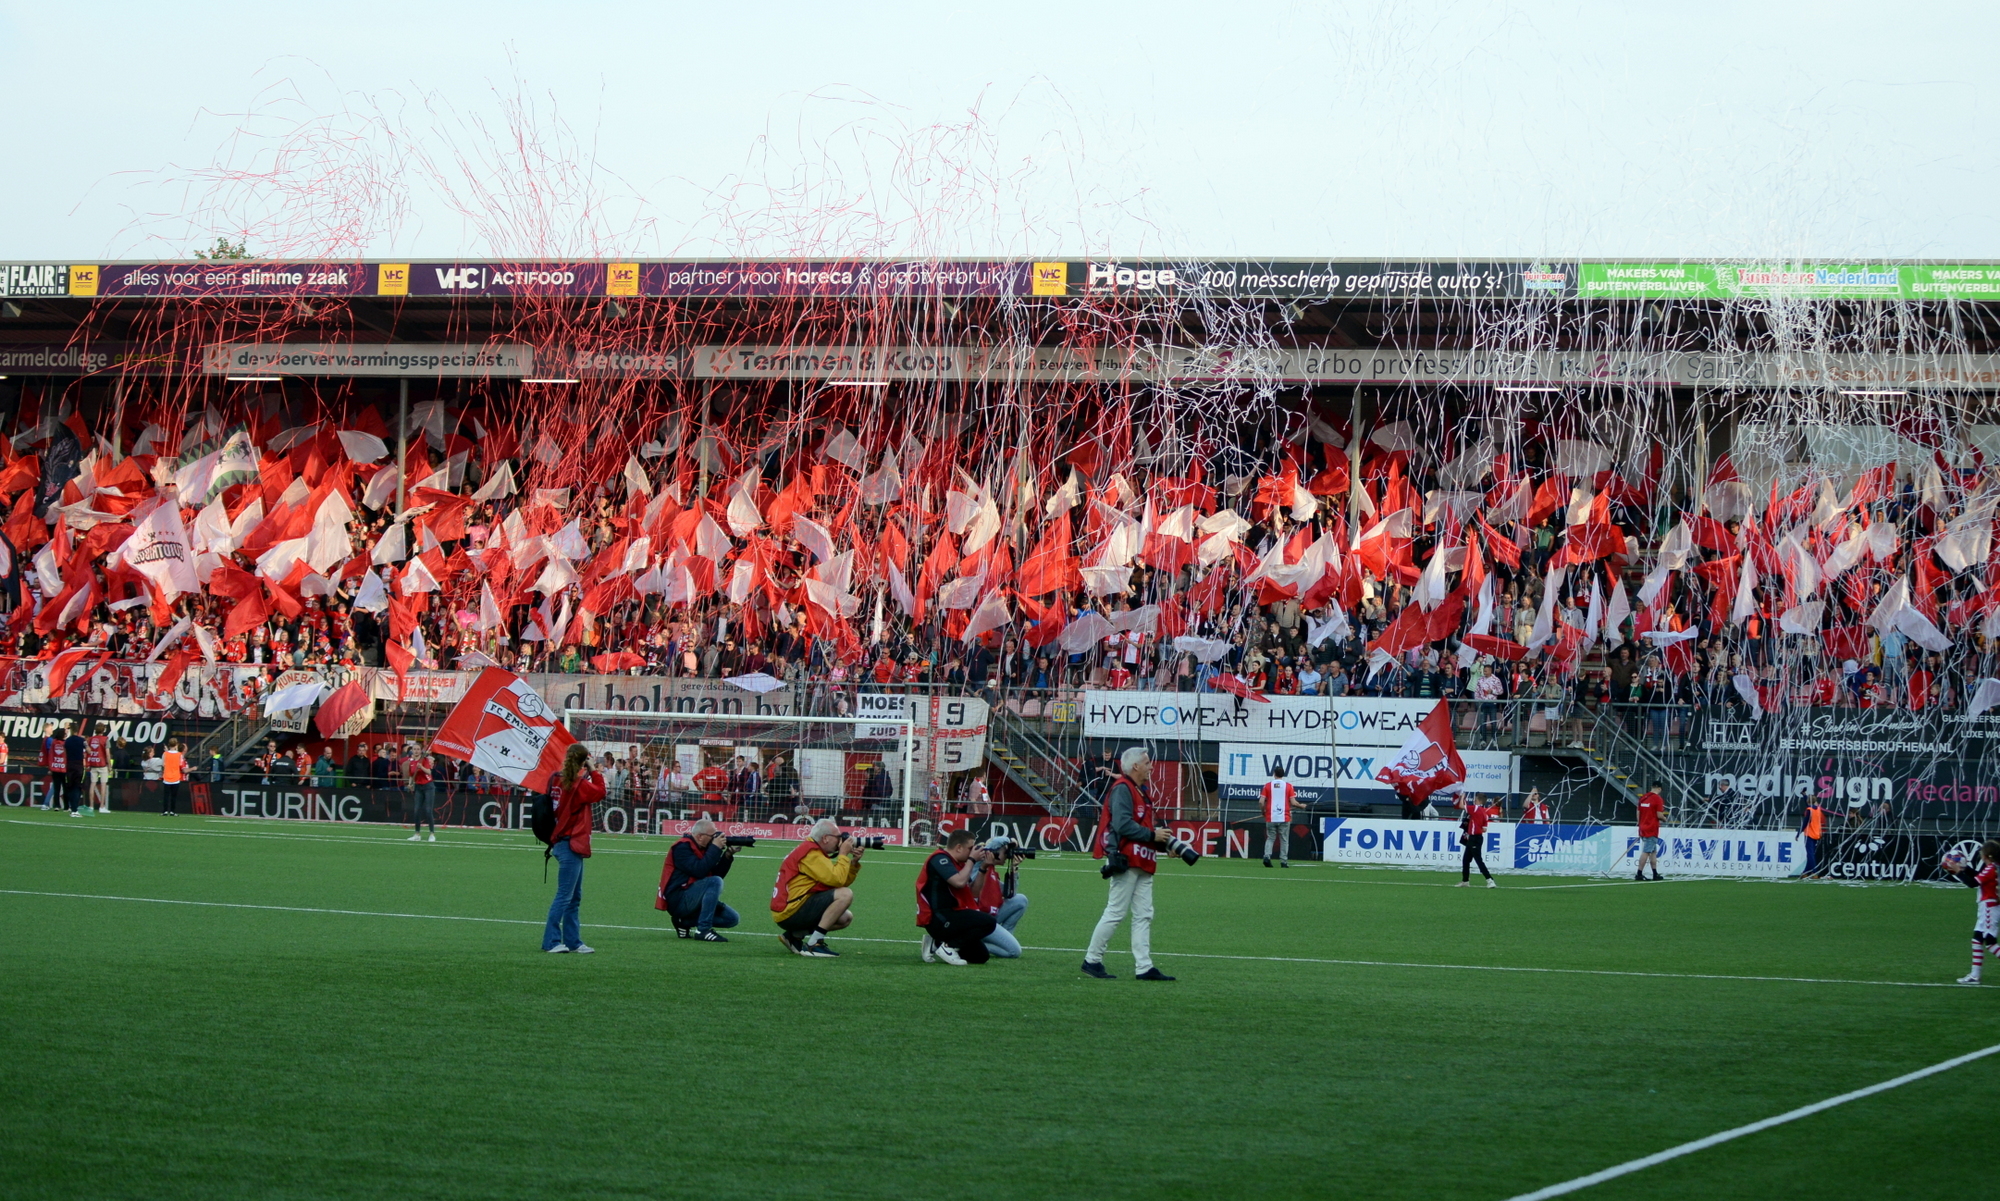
{"x": 955, "y": 927}
{"x": 691, "y": 884}
{"x": 575, "y": 789}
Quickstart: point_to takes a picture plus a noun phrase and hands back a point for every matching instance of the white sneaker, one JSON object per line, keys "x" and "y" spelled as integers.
{"x": 930, "y": 946}
{"x": 946, "y": 954}
{"x": 559, "y": 949}
{"x": 1969, "y": 979}
{"x": 76, "y": 813}
{"x": 1493, "y": 884}
{"x": 1465, "y": 884}
{"x": 585, "y": 949}
{"x": 415, "y": 838}
{"x": 432, "y": 838}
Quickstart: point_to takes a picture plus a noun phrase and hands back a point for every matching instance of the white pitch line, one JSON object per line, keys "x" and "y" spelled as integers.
{"x": 1702, "y": 1144}
{"x": 487, "y": 841}
{"x": 1388, "y": 963}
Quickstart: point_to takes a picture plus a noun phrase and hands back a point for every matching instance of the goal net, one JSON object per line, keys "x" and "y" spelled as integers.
{"x": 752, "y": 771}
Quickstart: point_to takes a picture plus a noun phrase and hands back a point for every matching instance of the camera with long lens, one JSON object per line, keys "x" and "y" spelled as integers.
{"x": 869, "y": 842}
{"x": 738, "y": 840}
{"x": 1188, "y": 854}
{"x": 1013, "y": 850}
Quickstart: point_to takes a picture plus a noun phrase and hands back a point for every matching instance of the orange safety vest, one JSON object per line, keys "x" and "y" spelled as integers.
{"x": 1814, "y": 816}
{"x": 170, "y": 769}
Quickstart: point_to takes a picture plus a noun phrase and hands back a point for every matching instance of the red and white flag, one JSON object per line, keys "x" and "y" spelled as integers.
{"x": 1428, "y": 761}
{"x": 504, "y": 727}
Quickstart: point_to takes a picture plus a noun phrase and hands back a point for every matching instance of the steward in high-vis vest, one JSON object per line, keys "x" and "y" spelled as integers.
{"x": 1813, "y": 826}
{"x": 811, "y": 896}
{"x": 1127, "y": 842}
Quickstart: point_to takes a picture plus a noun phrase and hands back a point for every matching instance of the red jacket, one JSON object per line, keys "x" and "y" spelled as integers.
{"x": 573, "y": 810}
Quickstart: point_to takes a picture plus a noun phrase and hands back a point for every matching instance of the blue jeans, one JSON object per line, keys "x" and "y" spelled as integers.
{"x": 701, "y": 903}
{"x": 562, "y": 927}
{"x": 1001, "y": 944}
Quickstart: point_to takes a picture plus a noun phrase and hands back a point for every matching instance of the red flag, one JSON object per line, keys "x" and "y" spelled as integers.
{"x": 344, "y": 702}
{"x": 1428, "y": 761}
{"x": 1238, "y": 686}
{"x": 612, "y": 662}
{"x": 400, "y": 658}
{"x": 1499, "y": 648}
{"x": 504, "y": 727}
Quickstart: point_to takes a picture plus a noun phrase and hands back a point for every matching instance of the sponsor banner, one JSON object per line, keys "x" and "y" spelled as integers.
{"x": 1243, "y": 768}
{"x": 1276, "y": 279}
{"x": 1564, "y": 849}
{"x": 1333, "y": 722}
{"x": 1571, "y": 850}
{"x": 494, "y": 279}
{"x": 1384, "y": 840}
{"x": 1890, "y": 857}
{"x": 1771, "y": 854}
{"x": 1314, "y": 280}
{"x": 1732, "y": 281}
{"x": 510, "y": 810}
{"x": 692, "y": 696}
{"x": 613, "y": 362}
{"x": 1012, "y": 363}
{"x": 34, "y": 279}
{"x": 89, "y": 358}
{"x": 227, "y": 278}
{"x": 848, "y": 277}
{"x": 366, "y": 359}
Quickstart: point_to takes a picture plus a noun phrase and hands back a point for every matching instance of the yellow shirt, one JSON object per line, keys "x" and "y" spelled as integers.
{"x": 815, "y": 873}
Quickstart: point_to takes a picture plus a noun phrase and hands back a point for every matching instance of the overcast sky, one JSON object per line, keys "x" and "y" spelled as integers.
{"x": 1396, "y": 129}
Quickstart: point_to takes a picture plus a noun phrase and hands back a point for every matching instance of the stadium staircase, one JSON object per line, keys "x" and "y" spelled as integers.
{"x": 1626, "y": 764}
{"x": 1035, "y": 764}
{"x": 233, "y": 738}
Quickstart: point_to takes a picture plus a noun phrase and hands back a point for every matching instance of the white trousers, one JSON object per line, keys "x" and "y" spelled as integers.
{"x": 1131, "y": 892}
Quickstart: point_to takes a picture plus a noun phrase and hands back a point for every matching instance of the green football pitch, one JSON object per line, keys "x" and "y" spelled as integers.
{"x": 218, "y": 1008}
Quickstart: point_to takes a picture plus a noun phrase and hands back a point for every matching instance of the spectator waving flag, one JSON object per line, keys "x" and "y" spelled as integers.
{"x": 1428, "y": 761}
{"x": 504, "y": 727}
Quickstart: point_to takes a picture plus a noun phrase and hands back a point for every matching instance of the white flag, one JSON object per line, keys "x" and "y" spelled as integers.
{"x": 159, "y": 550}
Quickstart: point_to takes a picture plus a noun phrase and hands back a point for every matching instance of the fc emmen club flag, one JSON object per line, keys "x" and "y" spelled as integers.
{"x": 504, "y": 727}
{"x": 1428, "y": 761}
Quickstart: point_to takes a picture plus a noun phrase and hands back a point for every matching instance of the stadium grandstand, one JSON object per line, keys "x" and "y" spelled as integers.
{"x": 1722, "y": 529}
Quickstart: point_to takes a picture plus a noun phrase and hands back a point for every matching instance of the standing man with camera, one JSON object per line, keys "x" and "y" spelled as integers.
{"x": 813, "y": 894}
{"x": 691, "y": 885}
{"x": 1127, "y": 842}
{"x": 955, "y": 927}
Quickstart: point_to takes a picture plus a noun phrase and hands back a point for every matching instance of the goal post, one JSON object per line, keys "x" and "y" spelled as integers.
{"x": 759, "y": 768}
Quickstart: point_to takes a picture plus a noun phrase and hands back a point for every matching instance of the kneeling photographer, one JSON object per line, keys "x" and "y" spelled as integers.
{"x": 812, "y": 896}
{"x": 955, "y": 928}
{"x": 998, "y": 895}
{"x": 1127, "y": 842}
{"x": 691, "y": 883}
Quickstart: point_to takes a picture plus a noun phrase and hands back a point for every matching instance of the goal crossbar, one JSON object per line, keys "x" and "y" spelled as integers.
{"x": 669, "y": 717}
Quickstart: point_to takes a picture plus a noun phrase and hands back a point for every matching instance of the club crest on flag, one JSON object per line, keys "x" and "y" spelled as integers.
{"x": 504, "y": 727}
{"x": 1428, "y": 761}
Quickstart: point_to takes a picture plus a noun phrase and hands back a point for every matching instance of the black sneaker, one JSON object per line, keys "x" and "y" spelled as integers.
{"x": 793, "y": 942}
{"x": 1284, "y": 863}
{"x": 1267, "y": 863}
{"x": 681, "y": 931}
{"x": 1639, "y": 876}
{"x": 706, "y": 936}
{"x": 819, "y": 950}
{"x": 1152, "y": 973}
{"x": 1097, "y": 970}
{"x": 1656, "y": 877}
